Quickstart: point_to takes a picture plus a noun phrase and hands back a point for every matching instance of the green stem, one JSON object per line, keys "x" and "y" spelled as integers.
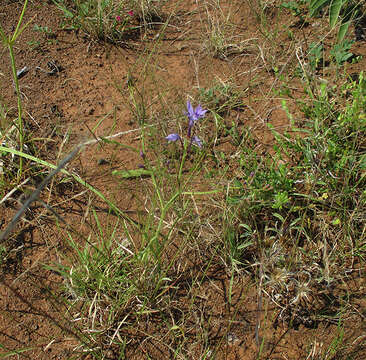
{"x": 15, "y": 35}
{"x": 20, "y": 108}
{"x": 182, "y": 162}
{"x": 10, "y": 41}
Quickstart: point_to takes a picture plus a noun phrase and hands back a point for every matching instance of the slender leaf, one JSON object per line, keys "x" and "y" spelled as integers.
{"x": 343, "y": 31}
{"x": 130, "y": 174}
{"x": 316, "y": 5}
{"x": 334, "y": 10}
{"x": 66, "y": 12}
{"x": 8, "y": 354}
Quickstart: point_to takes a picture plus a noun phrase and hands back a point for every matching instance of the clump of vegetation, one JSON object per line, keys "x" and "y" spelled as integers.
{"x": 346, "y": 10}
{"x": 109, "y": 20}
{"x": 284, "y": 200}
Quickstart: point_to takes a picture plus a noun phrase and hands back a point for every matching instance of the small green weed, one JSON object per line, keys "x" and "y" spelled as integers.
{"x": 50, "y": 37}
{"x": 222, "y": 97}
{"x": 34, "y": 44}
{"x": 341, "y": 53}
{"x": 315, "y": 55}
{"x": 45, "y": 30}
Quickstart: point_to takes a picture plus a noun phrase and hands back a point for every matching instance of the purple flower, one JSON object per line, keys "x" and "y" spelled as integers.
{"x": 130, "y": 12}
{"x": 197, "y": 141}
{"x": 193, "y": 115}
{"x": 173, "y": 137}
{"x": 118, "y": 18}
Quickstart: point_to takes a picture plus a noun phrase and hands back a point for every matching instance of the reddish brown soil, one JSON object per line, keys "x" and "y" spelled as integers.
{"x": 92, "y": 85}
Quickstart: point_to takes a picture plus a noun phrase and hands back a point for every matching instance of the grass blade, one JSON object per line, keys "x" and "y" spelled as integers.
{"x": 334, "y": 10}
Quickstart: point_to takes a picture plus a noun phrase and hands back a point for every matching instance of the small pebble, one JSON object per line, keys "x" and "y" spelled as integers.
{"x": 22, "y": 72}
{"x": 103, "y": 161}
{"x": 232, "y": 338}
